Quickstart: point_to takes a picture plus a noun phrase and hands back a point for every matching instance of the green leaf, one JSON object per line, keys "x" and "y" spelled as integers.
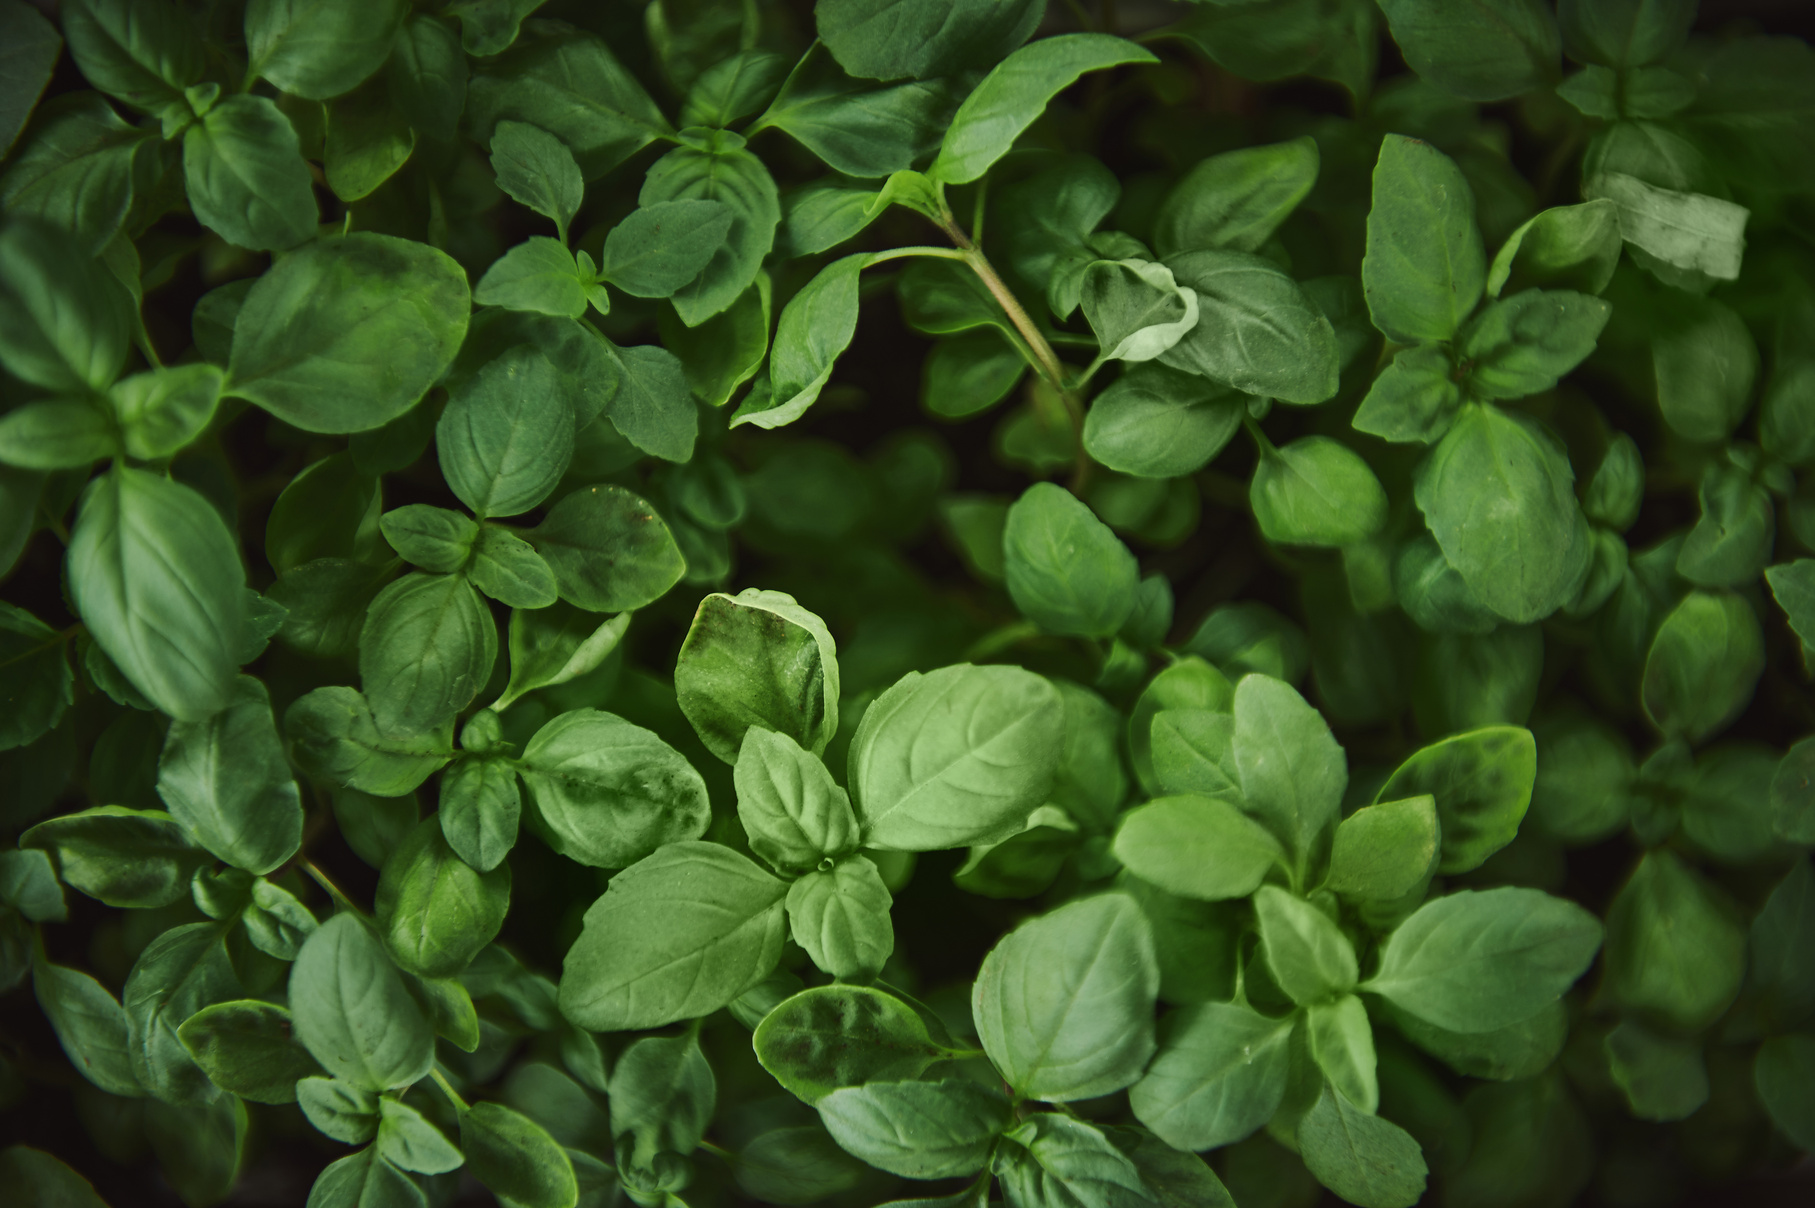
{"x": 1308, "y": 954}
{"x": 1064, "y": 1003}
{"x": 652, "y": 408}
{"x": 1015, "y": 93}
{"x": 922, "y": 38}
{"x": 365, "y": 1178}
{"x": 609, "y": 550}
{"x": 1488, "y": 51}
{"x": 918, "y": 1130}
{"x": 1499, "y": 495}
{"x": 1221, "y": 1073}
{"x": 1731, "y": 543}
{"x": 426, "y": 649}
{"x": 1523, "y": 344}
{"x": 180, "y": 972}
{"x": 538, "y": 275}
{"x": 407, "y": 1140}
{"x": 1477, "y": 961}
{"x": 246, "y": 1049}
{"x": 957, "y": 756}
{"x": 337, "y": 738}
{"x": 320, "y": 50}
{"x": 1317, "y": 492}
{"x": 65, "y": 324}
{"x": 352, "y": 1011}
{"x": 840, "y": 916}
{"x": 1386, "y": 850}
{"x": 816, "y": 326}
{"x": 330, "y": 510}
{"x": 607, "y": 793}
{"x": 857, "y": 127}
{"x": 799, "y": 1165}
{"x": 1257, "y": 330}
{"x": 734, "y": 88}
{"x": 714, "y": 166}
{"x": 1782, "y": 1076}
{"x": 1364, "y": 1159}
{"x": 29, "y": 885}
{"x": 1482, "y": 783}
{"x": 1197, "y": 847}
{"x": 434, "y": 910}
{"x": 79, "y": 170}
{"x": 350, "y": 332}
{"x": 480, "y": 806}
{"x": 1703, "y": 664}
{"x": 157, "y": 579}
{"x": 1516, "y": 1051}
{"x": 41, "y": 685}
{"x": 677, "y": 935}
{"x": 838, "y": 1036}
{"x": 246, "y": 178}
{"x": 1342, "y": 1045}
{"x": 1704, "y": 361}
{"x": 123, "y": 857}
{"x": 1236, "y": 200}
{"x": 42, "y": 1177}
{"x": 369, "y": 138}
{"x": 538, "y": 170}
{"x": 1663, "y": 1077}
{"x": 227, "y": 781}
{"x": 1414, "y": 400}
{"x": 1676, "y": 951}
{"x": 516, "y": 1158}
{"x": 793, "y": 812}
{"x": 1624, "y": 33}
{"x": 1135, "y": 308}
{"x": 32, "y": 48}
{"x": 658, "y": 249}
{"x": 662, "y": 1093}
{"x": 1154, "y": 421}
{"x": 340, "y": 1110}
{"x": 509, "y": 570}
{"x": 1564, "y": 247}
{"x": 57, "y": 435}
{"x": 1292, "y": 772}
{"x": 164, "y": 410}
{"x": 1425, "y": 268}
{"x": 553, "y": 645}
{"x": 1687, "y": 230}
{"x": 506, "y": 435}
{"x": 90, "y": 1025}
{"x": 725, "y": 351}
{"x": 1054, "y": 1159}
{"x": 1067, "y": 572}
{"x": 1779, "y": 969}
{"x": 567, "y": 83}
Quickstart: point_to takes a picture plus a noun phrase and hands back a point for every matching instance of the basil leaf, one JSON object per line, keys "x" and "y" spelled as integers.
{"x": 516, "y": 1158}
{"x": 164, "y": 410}
{"x": 840, "y": 916}
{"x": 426, "y": 649}
{"x": 1482, "y": 784}
{"x": 1522, "y": 344}
{"x": 1415, "y": 400}
{"x": 434, "y": 911}
{"x": 338, "y": 738}
{"x": 1236, "y": 200}
{"x": 1015, "y": 93}
{"x": 246, "y": 1049}
{"x": 658, "y": 249}
{"x": 1220, "y": 1073}
{"x": 65, "y": 324}
{"x": 1476, "y": 961}
{"x": 1366, "y": 1160}
{"x": 246, "y": 177}
{"x": 793, "y": 812}
{"x": 506, "y": 436}
{"x": 1703, "y": 665}
{"x": 1564, "y": 247}
{"x": 1196, "y": 847}
{"x": 961, "y": 755}
{"x": 919, "y": 1130}
{"x": 1675, "y": 948}
{"x": 1051, "y": 1158}
{"x": 815, "y": 327}
{"x": 226, "y": 780}
{"x": 538, "y": 275}
{"x": 339, "y": 1109}
{"x": 1692, "y": 231}
{"x": 180, "y": 972}
{"x": 838, "y": 1036}
{"x": 1386, "y": 850}
{"x": 922, "y": 38}
{"x": 716, "y": 167}
{"x": 608, "y": 793}
{"x": 554, "y": 645}
{"x": 1059, "y": 1015}
{"x": 123, "y": 857}
{"x": 1425, "y": 268}
{"x": 1257, "y": 330}
{"x": 1317, "y": 492}
{"x": 609, "y": 550}
{"x": 352, "y": 1011}
{"x": 677, "y": 935}
{"x": 33, "y": 48}
{"x": 538, "y": 170}
{"x": 1494, "y": 50}
{"x": 1135, "y": 308}
{"x": 349, "y": 333}
{"x": 320, "y": 50}
{"x": 1342, "y": 1045}
{"x": 1066, "y": 570}
{"x": 857, "y": 127}
{"x": 90, "y": 1025}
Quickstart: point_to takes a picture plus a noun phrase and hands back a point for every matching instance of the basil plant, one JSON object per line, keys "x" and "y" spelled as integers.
{"x": 928, "y": 603}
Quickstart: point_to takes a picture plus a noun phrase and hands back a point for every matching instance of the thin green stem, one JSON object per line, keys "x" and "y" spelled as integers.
{"x": 1090, "y": 371}
{"x": 718, "y": 1151}
{"x": 977, "y": 211}
{"x": 997, "y": 640}
{"x": 1260, "y": 438}
{"x": 334, "y": 891}
{"x": 898, "y": 253}
{"x": 460, "y": 1105}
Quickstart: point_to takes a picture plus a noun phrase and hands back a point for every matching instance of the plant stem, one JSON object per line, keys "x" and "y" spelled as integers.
{"x": 898, "y": 253}
{"x": 718, "y": 1151}
{"x": 334, "y": 891}
{"x": 460, "y": 1105}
